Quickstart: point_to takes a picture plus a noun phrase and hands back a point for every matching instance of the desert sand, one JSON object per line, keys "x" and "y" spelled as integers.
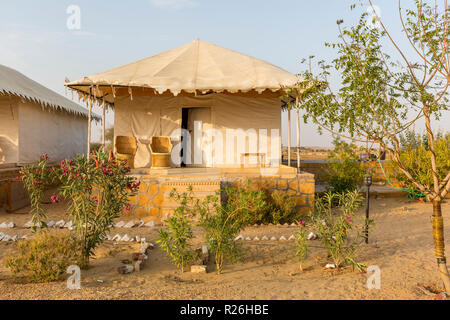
{"x": 400, "y": 244}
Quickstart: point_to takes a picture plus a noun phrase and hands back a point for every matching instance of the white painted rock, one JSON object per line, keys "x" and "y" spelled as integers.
{"x": 293, "y": 224}
{"x": 15, "y": 238}
{"x": 292, "y": 237}
{"x": 3, "y": 225}
{"x": 29, "y": 224}
{"x": 312, "y": 236}
{"x": 6, "y": 238}
{"x": 150, "y": 224}
{"x": 2, "y": 235}
{"x": 51, "y": 224}
{"x": 138, "y": 238}
{"x": 330, "y": 266}
{"x": 239, "y": 237}
{"x": 11, "y": 225}
{"x": 283, "y": 238}
{"x": 273, "y": 239}
{"x": 125, "y": 238}
{"x": 117, "y": 237}
{"x": 130, "y": 224}
{"x": 108, "y": 237}
{"x": 24, "y": 237}
{"x": 60, "y": 224}
{"x": 68, "y": 225}
{"x": 264, "y": 238}
{"x": 248, "y": 239}
{"x": 256, "y": 238}
{"x": 141, "y": 223}
{"x": 119, "y": 224}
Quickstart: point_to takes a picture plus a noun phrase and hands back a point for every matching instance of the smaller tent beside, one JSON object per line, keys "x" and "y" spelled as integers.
{"x": 36, "y": 120}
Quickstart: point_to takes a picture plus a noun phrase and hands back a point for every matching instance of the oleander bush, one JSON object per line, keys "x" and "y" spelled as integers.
{"x": 97, "y": 191}
{"x": 339, "y": 227}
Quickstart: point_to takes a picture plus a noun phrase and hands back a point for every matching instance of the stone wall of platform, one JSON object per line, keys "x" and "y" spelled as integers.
{"x": 153, "y": 201}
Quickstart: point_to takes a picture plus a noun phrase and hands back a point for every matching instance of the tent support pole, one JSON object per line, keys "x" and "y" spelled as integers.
{"x": 103, "y": 125}
{"x": 89, "y": 125}
{"x": 289, "y": 136}
{"x": 298, "y": 135}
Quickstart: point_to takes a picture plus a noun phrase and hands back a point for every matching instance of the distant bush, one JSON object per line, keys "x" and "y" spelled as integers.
{"x": 277, "y": 207}
{"x": 281, "y": 208}
{"x": 415, "y": 156}
{"x": 346, "y": 172}
{"x": 45, "y": 258}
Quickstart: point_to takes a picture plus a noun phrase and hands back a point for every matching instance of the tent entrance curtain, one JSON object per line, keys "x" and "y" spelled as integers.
{"x": 195, "y": 122}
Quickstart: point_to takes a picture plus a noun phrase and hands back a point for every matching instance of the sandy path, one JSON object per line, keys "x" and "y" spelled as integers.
{"x": 401, "y": 245}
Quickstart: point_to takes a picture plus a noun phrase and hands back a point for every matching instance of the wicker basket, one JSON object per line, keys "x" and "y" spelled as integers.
{"x": 126, "y": 145}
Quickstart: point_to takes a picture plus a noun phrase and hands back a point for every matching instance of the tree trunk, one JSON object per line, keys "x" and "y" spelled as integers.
{"x": 439, "y": 244}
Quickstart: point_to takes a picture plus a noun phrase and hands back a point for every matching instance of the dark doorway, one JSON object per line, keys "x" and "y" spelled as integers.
{"x": 184, "y": 139}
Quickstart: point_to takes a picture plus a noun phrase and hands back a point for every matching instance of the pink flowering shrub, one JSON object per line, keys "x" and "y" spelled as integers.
{"x": 97, "y": 191}
{"x": 36, "y": 179}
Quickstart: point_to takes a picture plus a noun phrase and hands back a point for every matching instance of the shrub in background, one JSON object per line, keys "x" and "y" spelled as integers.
{"x": 346, "y": 172}
{"x": 45, "y": 258}
{"x": 415, "y": 156}
{"x": 281, "y": 208}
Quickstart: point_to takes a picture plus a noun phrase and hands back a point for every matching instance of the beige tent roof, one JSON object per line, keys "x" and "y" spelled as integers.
{"x": 196, "y": 67}
{"x": 15, "y": 83}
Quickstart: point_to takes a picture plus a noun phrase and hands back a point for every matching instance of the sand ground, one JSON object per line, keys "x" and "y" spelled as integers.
{"x": 400, "y": 244}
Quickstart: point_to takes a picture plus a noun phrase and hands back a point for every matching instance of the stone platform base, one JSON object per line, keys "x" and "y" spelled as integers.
{"x": 153, "y": 202}
{"x": 13, "y": 195}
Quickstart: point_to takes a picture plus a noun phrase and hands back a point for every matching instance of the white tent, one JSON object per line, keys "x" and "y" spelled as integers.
{"x": 224, "y": 89}
{"x": 35, "y": 120}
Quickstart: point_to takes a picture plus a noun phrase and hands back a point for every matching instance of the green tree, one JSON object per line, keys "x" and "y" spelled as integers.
{"x": 381, "y": 98}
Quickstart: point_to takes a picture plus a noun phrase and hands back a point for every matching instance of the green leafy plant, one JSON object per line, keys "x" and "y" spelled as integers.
{"x": 337, "y": 228}
{"x": 301, "y": 243}
{"x": 176, "y": 240}
{"x": 346, "y": 172}
{"x": 45, "y": 257}
{"x": 223, "y": 216}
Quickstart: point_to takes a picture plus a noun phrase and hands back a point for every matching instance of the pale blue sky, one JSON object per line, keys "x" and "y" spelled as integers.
{"x": 34, "y": 38}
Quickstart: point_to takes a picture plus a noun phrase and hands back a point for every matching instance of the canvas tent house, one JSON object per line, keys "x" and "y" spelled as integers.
{"x": 35, "y": 120}
{"x": 217, "y": 95}
{"x": 222, "y": 111}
